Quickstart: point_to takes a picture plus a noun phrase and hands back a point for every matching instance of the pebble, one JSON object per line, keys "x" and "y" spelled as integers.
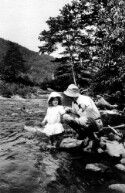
{"x": 123, "y": 155}
{"x": 120, "y": 167}
{"x": 122, "y": 161}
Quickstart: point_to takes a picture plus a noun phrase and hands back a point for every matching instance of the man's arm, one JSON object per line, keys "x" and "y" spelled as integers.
{"x": 81, "y": 121}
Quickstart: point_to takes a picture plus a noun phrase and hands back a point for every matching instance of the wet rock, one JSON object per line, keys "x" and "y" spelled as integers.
{"x": 97, "y": 167}
{"x": 70, "y": 143}
{"x": 17, "y": 97}
{"x": 122, "y": 161}
{"x": 120, "y": 167}
{"x": 100, "y": 150}
{"x": 114, "y": 148}
{"x": 119, "y": 188}
{"x": 123, "y": 155}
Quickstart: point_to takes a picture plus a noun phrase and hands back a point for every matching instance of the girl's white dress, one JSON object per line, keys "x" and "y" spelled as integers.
{"x": 53, "y": 118}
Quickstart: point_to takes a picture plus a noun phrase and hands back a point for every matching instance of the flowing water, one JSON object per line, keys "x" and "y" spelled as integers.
{"x": 27, "y": 166}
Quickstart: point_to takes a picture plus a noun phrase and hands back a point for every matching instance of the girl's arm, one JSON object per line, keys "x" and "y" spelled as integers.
{"x": 45, "y": 119}
{"x": 62, "y": 110}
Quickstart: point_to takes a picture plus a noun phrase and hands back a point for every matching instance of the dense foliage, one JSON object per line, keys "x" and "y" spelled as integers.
{"x": 93, "y": 38}
{"x": 110, "y": 40}
{"x": 62, "y": 75}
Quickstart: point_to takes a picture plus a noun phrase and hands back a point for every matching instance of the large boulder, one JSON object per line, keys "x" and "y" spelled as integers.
{"x": 69, "y": 143}
{"x": 96, "y": 167}
{"x": 122, "y": 161}
{"x": 117, "y": 188}
{"x": 120, "y": 167}
{"x": 114, "y": 148}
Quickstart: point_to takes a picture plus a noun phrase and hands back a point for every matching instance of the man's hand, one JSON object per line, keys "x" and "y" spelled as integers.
{"x": 67, "y": 117}
{"x": 83, "y": 121}
{"x": 68, "y": 110}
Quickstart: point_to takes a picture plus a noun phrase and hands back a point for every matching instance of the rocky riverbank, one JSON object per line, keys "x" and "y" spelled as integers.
{"x": 26, "y": 165}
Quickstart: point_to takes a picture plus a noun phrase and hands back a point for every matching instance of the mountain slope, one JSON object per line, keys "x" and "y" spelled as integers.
{"x": 40, "y": 66}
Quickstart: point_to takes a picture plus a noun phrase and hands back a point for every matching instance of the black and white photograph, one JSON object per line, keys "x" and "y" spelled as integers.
{"x": 62, "y": 96}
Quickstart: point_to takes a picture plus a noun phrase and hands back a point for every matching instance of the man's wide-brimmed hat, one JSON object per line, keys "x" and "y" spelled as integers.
{"x": 72, "y": 91}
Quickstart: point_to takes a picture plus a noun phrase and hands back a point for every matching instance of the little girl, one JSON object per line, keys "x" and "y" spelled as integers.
{"x": 52, "y": 121}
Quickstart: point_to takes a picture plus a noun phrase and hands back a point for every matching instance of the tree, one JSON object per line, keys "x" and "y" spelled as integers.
{"x": 92, "y": 35}
{"x": 13, "y": 64}
{"x": 73, "y": 30}
{"x": 62, "y": 75}
{"x": 110, "y": 41}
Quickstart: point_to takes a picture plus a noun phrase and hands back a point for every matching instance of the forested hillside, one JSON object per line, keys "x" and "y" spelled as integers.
{"x": 40, "y": 67}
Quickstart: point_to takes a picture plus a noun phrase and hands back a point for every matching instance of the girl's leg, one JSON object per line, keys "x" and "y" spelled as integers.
{"x": 58, "y": 139}
{"x": 55, "y": 140}
{"x": 51, "y": 139}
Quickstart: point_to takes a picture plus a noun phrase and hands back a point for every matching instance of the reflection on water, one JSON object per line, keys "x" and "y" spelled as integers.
{"x": 27, "y": 166}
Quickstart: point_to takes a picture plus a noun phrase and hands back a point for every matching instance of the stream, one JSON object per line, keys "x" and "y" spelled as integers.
{"x": 27, "y": 166}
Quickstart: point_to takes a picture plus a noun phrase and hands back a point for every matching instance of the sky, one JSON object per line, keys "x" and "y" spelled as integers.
{"x": 21, "y": 21}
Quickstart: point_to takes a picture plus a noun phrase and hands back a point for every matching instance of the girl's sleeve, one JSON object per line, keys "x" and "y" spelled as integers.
{"x": 62, "y": 110}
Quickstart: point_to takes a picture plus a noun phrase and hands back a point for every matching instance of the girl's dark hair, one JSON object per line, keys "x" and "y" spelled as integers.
{"x": 59, "y": 101}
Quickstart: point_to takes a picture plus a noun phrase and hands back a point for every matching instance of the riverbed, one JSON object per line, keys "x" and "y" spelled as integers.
{"x": 28, "y": 166}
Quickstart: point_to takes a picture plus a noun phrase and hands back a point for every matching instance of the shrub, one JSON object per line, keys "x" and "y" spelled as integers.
{"x": 9, "y": 89}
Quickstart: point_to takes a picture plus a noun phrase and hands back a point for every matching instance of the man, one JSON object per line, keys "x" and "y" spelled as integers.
{"x": 86, "y": 118}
